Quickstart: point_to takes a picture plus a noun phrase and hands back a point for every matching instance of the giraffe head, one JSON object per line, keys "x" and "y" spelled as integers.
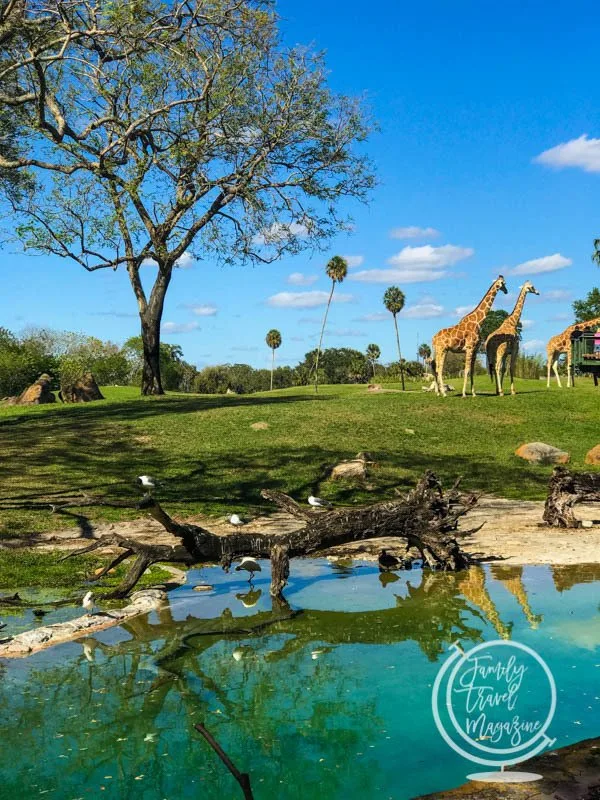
{"x": 500, "y": 284}
{"x": 529, "y": 287}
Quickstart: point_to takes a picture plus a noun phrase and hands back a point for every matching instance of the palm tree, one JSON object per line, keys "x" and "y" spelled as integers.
{"x": 424, "y": 352}
{"x": 336, "y": 269}
{"x": 393, "y": 300}
{"x": 373, "y": 354}
{"x": 273, "y": 340}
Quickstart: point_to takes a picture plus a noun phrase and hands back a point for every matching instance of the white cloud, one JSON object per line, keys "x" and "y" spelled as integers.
{"x": 185, "y": 261}
{"x": 299, "y": 279}
{"x": 279, "y": 232}
{"x": 423, "y": 310}
{"x": 534, "y": 345}
{"x": 346, "y": 332}
{"x": 414, "y": 232}
{"x": 305, "y": 299}
{"x": 310, "y": 321}
{"x": 204, "y": 311}
{"x": 179, "y": 327}
{"x": 538, "y": 266}
{"x": 461, "y": 311}
{"x": 354, "y": 261}
{"x": 527, "y": 323}
{"x": 556, "y": 295}
{"x": 398, "y": 276}
{"x": 582, "y": 152}
{"x": 416, "y": 265}
{"x": 377, "y": 316}
{"x": 428, "y": 256}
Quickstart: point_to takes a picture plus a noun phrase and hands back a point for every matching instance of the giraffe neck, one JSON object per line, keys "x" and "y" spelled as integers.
{"x": 515, "y": 316}
{"x": 484, "y": 306}
{"x": 589, "y": 323}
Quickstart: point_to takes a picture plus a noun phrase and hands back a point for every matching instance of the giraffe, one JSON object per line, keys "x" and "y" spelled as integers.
{"x": 512, "y": 579}
{"x": 464, "y": 337}
{"x": 503, "y": 343}
{"x": 561, "y": 343}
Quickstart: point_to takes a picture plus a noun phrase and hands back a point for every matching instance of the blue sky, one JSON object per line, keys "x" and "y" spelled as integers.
{"x": 488, "y": 119}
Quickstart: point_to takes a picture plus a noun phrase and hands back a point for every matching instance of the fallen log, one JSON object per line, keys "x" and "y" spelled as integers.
{"x": 23, "y": 644}
{"x": 426, "y": 518}
{"x": 565, "y": 490}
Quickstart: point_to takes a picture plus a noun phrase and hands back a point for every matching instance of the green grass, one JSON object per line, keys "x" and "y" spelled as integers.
{"x": 215, "y": 463}
{"x": 33, "y": 568}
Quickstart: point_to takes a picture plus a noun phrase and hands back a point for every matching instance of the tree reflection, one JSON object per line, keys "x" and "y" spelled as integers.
{"x": 277, "y": 688}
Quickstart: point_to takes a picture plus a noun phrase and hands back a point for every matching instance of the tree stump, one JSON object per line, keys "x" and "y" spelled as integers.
{"x": 565, "y": 490}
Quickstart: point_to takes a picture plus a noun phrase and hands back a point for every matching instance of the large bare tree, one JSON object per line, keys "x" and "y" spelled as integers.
{"x": 158, "y": 131}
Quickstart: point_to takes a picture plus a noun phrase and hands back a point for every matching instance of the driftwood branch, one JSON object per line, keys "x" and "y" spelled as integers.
{"x": 426, "y": 518}
{"x": 565, "y": 490}
{"x": 241, "y": 777}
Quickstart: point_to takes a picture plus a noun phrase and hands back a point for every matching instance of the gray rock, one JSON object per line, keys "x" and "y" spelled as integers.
{"x": 541, "y": 453}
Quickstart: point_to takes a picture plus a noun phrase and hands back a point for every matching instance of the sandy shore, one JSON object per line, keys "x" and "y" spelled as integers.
{"x": 512, "y": 531}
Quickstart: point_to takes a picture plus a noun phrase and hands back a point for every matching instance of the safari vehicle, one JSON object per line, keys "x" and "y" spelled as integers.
{"x": 586, "y": 354}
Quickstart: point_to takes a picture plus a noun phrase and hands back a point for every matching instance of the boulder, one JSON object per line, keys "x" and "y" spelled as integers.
{"x": 541, "y": 453}
{"x": 593, "y": 456}
{"x": 36, "y": 394}
{"x": 82, "y": 390}
{"x": 259, "y": 426}
{"x": 346, "y": 470}
{"x": 352, "y": 468}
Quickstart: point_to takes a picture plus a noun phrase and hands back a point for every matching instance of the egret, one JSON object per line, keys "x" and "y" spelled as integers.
{"x": 251, "y": 565}
{"x": 147, "y": 482}
{"x": 388, "y": 561}
{"x": 236, "y": 520}
{"x": 88, "y": 603}
{"x": 318, "y": 502}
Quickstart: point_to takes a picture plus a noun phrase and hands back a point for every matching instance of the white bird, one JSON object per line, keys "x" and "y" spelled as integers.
{"x": 251, "y": 565}
{"x": 147, "y": 482}
{"x": 88, "y": 651}
{"x": 236, "y": 520}
{"x": 318, "y": 502}
{"x": 88, "y": 603}
{"x": 238, "y": 654}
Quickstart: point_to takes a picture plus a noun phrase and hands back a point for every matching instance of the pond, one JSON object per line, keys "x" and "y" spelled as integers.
{"x": 330, "y": 698}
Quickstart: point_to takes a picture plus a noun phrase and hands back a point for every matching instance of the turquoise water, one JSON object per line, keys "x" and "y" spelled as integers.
{"x": 328, "y": 699}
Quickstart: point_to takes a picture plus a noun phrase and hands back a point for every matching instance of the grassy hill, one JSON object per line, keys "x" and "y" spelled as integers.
{"x": 214, "y": 462}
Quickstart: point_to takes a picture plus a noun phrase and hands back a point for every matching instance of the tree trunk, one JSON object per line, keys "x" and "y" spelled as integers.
{"x": 426, "y": 518}
{"x": 399, "y": 353}
{"x": 272, "y": 365}
{"x": 151, "y": 380}
{"x": 321, "y": 338}
{"x": 566, "y": 489}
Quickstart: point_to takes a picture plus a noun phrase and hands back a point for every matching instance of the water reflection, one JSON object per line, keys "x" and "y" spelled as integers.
{"x": 313, "y": 702}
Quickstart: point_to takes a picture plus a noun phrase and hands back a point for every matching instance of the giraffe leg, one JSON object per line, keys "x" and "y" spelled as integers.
{"x": 548, "y": 368}
{"x": 570, "y": 379}
{"x": 472, "y": 372}
{"x": 513, "y": 365}
{"x": 500, "y": 365}
{"x": 555, "y": 370}
{"x": 468, "y": 357}
{"x": 440, "y": 388}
